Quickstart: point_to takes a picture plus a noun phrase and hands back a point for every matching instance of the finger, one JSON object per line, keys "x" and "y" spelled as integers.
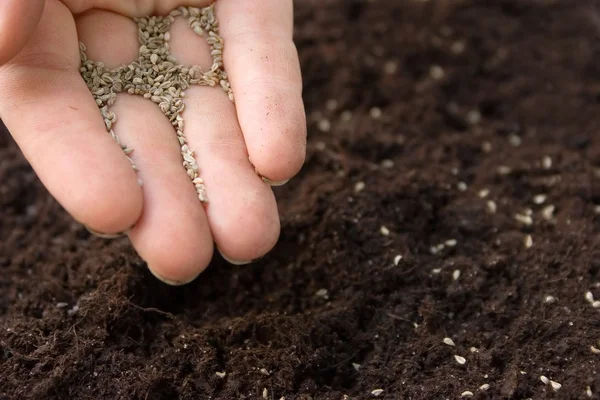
{"x": 172, "y": 235}
{"x": 52, "y": 116}
{"x": 242, "y": 211}
{"x": 263, "y": 68}
{"x": 139, "y": 8}
{"x": 18, "y": 20}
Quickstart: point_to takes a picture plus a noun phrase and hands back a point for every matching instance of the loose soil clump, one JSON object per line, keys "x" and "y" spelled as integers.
{"x": 442, "y": 240}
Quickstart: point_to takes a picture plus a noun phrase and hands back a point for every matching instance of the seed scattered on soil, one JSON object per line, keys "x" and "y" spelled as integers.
{"x": 474, "y": 350}
{"x": 375, "y": 112}
{"x": 397, "y": 259}
{"x": 547, "y": 162}
{"x": 555, "y": 385}
{"x": 324, "y": 125}
{"x": 376, "y": 392}
{"x": 548, "y": 212}
{"x": 461, "y": 186}
{"x": 356, "y": 366}
{"x": 539, "y": 198}
{"x": 491, "y": 206}
{"x": 387, "y": 163}
{"x": 390, "y": 67}
{"x": 458, "y": 47}
{"x": 157, "y": 76}
{"x": 323, "y": 293}
{"x": 504, "y": 170}
{"x": 221, "y": 374}
{"x": 544, "y": 380}
{"x": 264, "y": 371}
{"x": 484, "y": 387}
{"x": 596, "y": 304}
{"x": 514, "y": 140}
{"x": 460, "y": 359}
{"x": 483, "y": 193}
{"x": 589, "y": 296}
{"x": 528, "y": 241}
{"x": 451, "y": 242}
{"x": 594, "y": 349}
{"x": 466, "y": 394}
{"x": 456, "y": 274}
{"x": 473, "y": 117}
{"x": 265, "y": 393}
{"x": 384, "y": 230}
{"x": 359, "y": 187}
{"x": 436, "y": 72}
{"x": 524, "y": 219}
{"x": 448, "y": 341}
{"x": 549, "y": 299}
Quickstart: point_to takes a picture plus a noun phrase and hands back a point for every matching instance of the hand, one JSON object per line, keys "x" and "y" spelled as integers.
{"x": 52, "y": 116}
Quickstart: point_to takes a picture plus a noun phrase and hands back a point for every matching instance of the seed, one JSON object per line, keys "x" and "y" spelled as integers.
{"x": 375, "y": 112}
{"x": 483, "y": 193}
{"x": 524, "y": 219}
{"x": 547, "y": 162}
{"x": 548, "y": 212}
{"x": 384, "y": 230}
{"x": 397, "y": 259}
{"x": 221, "y": 374}
{"x": 491, "y": 206}
{"x": 450, "y": 242}
{"x": 549, "y": 299}
{"x": 436, "y": 72}
{"x": 448, "y": 341}
{"x": 594, "y": 349}
{"x": 459, "y": 359}
{"x": 324, "y": 125}
{"x": 539, "y": 199}
{"x": 555, "y": 385}
{"x": 528, "y": 242}
{"x": 376, "y": 392}
{"x": 359, "y": 186}
{"x": 484, "y": 387}
{"x": 504, "y": 170}
{"x": 596, "y": 304}
{"x": 356, "y": 366}
{"x": 589, "y": 297}
{"x": 456, "y": 274}
{"x": 461, "y": 186}
{"x": 588, "y": 391}
{"x": 544, "y": 380}
{"x": 466, "y": 394}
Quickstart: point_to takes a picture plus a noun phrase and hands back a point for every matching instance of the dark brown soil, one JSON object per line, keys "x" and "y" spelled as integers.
{"x": 81, "y": 318}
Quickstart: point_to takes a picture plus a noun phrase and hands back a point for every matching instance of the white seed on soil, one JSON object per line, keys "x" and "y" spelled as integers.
{"x": 547, "y": 162}
{"x": 376, "y": 392}
{"x": 524, "y": 219}
{"x": 483, "y": 193}
{"x": 473, "y": 117}
{"x": 491, "y": 206}
{"x": 484, "y": 387}
{"x": 456, "y": 274}
{"x": 390, "y": 67}
{"x": 548, "y": 212}
{"x": 397, "y": 259}
{"x": 324, "y": 125}
{"x": 221, "y": 374}
{"x": 458, "y": 47}
{"x": 504, "y": 170}
{"x": 549, "y": 299}
{"x": 528, "y": 241}
{"x": 359, "y": 187}
{"x": 323, "y": 293}
{"x": 265, "y": 393}
{"x": 450, "y": 242}
{"x": 436, "y": 72}
{"x": 384, "y": 230}
{"x": 596, "y": 304}
{"x": 514, "y": 140}
{"x": 356, "y": 366}
{"x": 466, "y": 394}
{"x": 539, "y": 198}
{"x": 544, "y": 379}
{"x": 594, "y": 349}
{"x": 156, "y": 76}
{"x": 448, "y": 341}
{"x": 461, "y": 186}
{"x": 387, "y": 163}
{"x": 459, "y": 359}
{"x": 555, "y": 385}
{"x": 588, "y": 391}
{"x": 264, "y": 372}
{"x": 589, "y": 297}
{"x": 375, "y": 112}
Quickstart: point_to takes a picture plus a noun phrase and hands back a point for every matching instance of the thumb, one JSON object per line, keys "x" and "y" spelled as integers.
{"x": 18, "y": 20}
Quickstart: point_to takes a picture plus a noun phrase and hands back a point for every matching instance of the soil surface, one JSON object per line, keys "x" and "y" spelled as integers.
{"x": 433, "y": 131}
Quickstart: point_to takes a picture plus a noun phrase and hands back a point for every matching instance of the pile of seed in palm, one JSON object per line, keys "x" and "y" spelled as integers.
{"x": 157, "y": 76}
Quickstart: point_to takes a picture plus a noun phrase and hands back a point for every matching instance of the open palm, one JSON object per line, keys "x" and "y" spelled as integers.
{"x": 52, "y": 116}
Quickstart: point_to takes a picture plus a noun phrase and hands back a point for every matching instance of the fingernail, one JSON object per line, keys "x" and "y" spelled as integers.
{"x": 234, "y": 262}
{"x": 274, "y": 183}
{"x": 169, "y": 281}
{"x": 106, "y": 235}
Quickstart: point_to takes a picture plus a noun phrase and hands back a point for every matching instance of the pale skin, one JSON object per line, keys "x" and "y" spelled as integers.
{"x": 50, "y": 113}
